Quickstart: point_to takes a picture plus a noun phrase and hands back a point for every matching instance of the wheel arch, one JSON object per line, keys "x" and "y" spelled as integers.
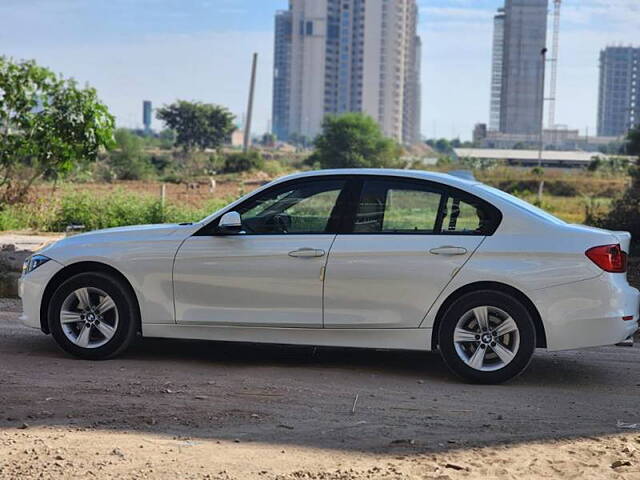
{"x": 74, "y": 269}
{"x": 541, "y": 337}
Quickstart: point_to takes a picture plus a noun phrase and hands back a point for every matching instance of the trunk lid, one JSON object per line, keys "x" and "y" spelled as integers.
{"x": 623, "y": 238}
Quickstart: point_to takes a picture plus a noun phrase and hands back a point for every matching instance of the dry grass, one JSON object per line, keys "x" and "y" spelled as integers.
{"x": 568, "y": 193}
{"x": 194, "y": 194}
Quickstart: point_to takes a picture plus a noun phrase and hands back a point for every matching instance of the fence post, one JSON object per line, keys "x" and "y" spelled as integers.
{"x": 163, "y": 196}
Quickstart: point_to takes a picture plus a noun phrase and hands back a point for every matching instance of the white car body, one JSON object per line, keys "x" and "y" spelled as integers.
{"x": 380, "y": 291}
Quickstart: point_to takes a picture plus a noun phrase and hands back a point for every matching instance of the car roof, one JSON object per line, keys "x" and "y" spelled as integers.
{"x": 444, "y": 178}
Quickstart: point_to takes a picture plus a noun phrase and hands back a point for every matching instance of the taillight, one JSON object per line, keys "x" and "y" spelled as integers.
{"x": 610, "y": 258}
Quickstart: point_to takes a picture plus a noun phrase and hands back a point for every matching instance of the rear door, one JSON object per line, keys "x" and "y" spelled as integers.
{"x": 407, "y": 241}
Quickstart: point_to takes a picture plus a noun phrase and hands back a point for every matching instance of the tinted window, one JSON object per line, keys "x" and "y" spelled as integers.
{"x": 396, "y": 207}
{"x": 463, "y": 217}
{"x": 399, "y": 206}
{"x": 306, "y": 207}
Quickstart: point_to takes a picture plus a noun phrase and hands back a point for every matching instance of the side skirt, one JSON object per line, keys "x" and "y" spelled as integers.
{"x": 387, "y": 338}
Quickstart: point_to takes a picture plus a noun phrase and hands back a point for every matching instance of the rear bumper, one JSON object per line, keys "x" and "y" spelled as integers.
{"x": 589, "y": 313}
{"x": 31, "y": 289}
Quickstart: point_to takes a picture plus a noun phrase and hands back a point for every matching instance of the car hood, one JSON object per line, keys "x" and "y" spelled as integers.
{"x": 123, "y": 234}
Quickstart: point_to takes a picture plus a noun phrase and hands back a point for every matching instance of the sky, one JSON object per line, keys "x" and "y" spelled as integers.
{"x": 163, "y": 50}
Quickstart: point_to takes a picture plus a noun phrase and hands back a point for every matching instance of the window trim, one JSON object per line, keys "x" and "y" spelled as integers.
{"x": 347, "y": 206}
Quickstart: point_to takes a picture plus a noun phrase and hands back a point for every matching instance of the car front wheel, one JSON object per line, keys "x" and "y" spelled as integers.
{"x": 93, "y": 316}
{"x": 487, "y": 337}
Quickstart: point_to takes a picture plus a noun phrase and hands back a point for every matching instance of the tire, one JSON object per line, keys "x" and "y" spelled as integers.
{"x": 495, "y": 354}
{"x": 102, "y": 329}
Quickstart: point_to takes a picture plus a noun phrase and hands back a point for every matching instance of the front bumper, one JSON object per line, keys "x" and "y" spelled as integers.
{"x": 31, "y": 289}
{"x": 589, "y": 313}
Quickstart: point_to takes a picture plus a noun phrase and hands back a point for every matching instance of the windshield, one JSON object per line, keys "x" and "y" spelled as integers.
{"x": 517, "y": 202}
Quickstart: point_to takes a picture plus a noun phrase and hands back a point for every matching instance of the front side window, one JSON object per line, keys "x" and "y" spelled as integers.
{"x": 307, "y": 207}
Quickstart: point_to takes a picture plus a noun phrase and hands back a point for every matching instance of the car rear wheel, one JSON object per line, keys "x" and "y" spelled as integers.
{"x": 487, "y": 337}
{"x": 93, "y": 316}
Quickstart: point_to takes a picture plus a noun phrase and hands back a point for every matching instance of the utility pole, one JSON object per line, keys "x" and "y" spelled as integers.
{"x": 554, "y": 64}
{"x": 543, "y": 54}
{"x": 252, "y": 86}
{"x": 543, "y": 60}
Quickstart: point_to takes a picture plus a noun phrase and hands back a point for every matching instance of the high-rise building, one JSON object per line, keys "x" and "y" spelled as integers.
{"x": 619, "y": 95}
{"x": 146, "y": 115}
{"x": 520, "y": 36}
{"x": 496, "y": 70}
{"x": 412, "y": 109}
{"x": 281, "y": 74}
{"x": 335, "y": 56}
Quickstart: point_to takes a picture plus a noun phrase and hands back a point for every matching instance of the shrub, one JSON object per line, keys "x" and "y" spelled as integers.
{"x": 113, "y": 210}
{"x": 273, "y": 168}
{"x": 609, "y": 166}
{"x": 558, "y": 188}
{"x": 625, "y": 211}
{"x": 243, "y": 162}
{"x": 94, "y": 212}
{"x": 473, "y": 163}
{"x": 129, "y": 162}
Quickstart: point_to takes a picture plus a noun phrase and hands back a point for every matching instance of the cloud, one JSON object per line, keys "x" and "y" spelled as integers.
{"x": 140, "y": 50}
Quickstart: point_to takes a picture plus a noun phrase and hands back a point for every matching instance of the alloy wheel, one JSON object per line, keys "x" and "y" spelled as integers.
{"x": 89, "y": 317}
{"x": 486, "y": 338}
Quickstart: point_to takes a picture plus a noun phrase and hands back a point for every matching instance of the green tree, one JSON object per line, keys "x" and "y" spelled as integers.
{"x": 625, "y": 211}
{"x": 128, "y": 158}
{"x": 353, "y": 140}
{"x": 197, "y": 125}
{"x": 632, "y": 145}
{"x": 47, "y": 125}
{"x": 167, "y": 138}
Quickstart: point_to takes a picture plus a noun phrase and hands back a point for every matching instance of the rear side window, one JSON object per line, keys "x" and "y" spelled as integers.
{"x": 396, "y": 206}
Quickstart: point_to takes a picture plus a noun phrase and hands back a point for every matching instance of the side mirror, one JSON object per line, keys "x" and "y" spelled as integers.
{"x": 230, "y": 223}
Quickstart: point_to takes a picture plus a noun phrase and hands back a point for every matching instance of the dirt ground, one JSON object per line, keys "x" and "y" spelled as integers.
{"x": 204, "y": 410}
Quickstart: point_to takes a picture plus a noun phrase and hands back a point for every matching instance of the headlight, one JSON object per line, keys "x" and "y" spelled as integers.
{"x": 33, "y": 262}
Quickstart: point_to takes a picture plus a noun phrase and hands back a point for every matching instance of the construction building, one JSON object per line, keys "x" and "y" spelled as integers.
{"x": 336, "y": 56}
{"x": 518, "y": 66}
{"x": 619, "y": 93}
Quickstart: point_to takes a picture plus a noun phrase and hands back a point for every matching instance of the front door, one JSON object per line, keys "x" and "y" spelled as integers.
{"x": 409, "y": 239}
{"x": 270, "y": 274}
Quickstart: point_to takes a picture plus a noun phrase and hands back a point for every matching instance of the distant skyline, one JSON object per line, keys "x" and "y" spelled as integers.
{"x": 163, "y": 50}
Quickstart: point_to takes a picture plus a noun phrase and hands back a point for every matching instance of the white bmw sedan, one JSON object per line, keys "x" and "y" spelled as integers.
{"x": 351, "y": 258}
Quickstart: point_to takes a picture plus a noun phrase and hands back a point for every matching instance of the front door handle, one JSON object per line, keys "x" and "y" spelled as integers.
{"x": 307, "y": 253}
{"x": 448, "y": 250}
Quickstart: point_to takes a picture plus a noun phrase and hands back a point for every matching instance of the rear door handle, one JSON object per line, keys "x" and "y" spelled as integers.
{"x": 448, "y": 250}
{"x": 307, "y": 253}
